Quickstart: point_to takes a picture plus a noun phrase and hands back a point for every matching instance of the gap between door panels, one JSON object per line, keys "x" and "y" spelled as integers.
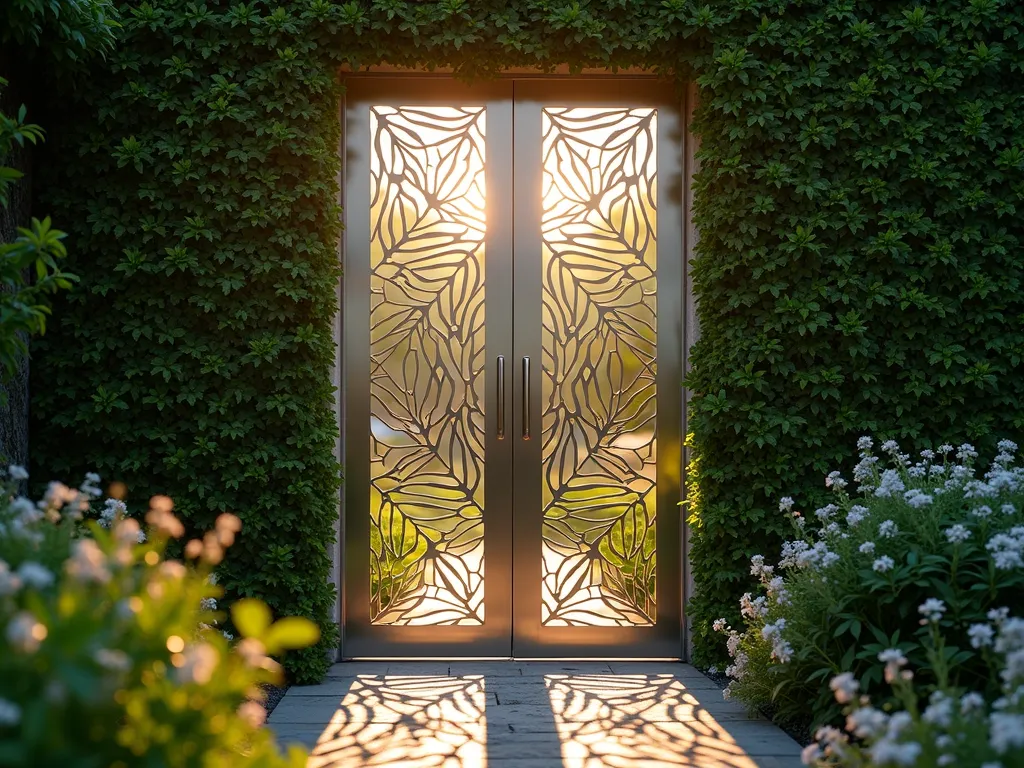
{"x": 512, "y": 242}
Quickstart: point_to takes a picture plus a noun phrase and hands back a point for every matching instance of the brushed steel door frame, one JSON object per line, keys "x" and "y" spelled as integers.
{"x": 512, "y": 507}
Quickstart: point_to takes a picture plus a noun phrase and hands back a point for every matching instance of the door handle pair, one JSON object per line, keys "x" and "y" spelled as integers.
{"x": 501, "y": 398}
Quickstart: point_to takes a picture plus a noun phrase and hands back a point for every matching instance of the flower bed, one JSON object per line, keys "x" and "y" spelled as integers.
{"x": 853, "y": 583}
{"x": 957, "y": 728}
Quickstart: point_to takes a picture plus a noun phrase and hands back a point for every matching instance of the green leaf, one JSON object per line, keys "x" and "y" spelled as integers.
{"x": 291, "y": 633}
{"x": 251, "y": 616}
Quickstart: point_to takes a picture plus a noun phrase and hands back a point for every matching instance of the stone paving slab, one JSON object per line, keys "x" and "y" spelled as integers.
{"x": 525, "y": 715}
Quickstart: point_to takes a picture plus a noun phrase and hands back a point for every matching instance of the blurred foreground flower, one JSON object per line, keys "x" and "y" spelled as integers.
{"x": 109, "y": 653}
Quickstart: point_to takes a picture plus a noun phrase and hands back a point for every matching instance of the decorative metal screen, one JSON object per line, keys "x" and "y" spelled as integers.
{"x": 599, "y": 344}
{"x": 426, "y": 365}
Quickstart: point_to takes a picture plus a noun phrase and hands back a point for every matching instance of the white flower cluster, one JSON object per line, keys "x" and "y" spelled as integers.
{"x": 856, "y": 515}
{"x": 888, "y": 529}
{"x": 835, "y": 481}
{"x": 753, "y": 607}
{"x": 845, "y": 687}
{"x": 932, "y": 609}
{"x": 1007, "y": 549}
{"x": 800, "y": 554}
{"x": 28, "y": 574}
{"x": 1002, "y": 475}
{"x": 58, "y": 502}
{"x": 26, "y": 520}
{"x": 25, "y": 632}
{"x": 966, "y": 452}
{"x": 756, "y": 609}
{"x": 917, "y": 498}
{"x": 87, "y": 563}
{"x": 981, "y": 635}
{"x": 90, "y": 487}
{"x": 934, "y": 479}
{"x": 825, "y": 513}
{"x": 894, "y": 662}
{"x": 781, "y": 649}
{"x": 115, "y": 510}
{"x": 22, "y": 520}
{"x": 777, "y": 591}
{"x": 883, "y": 564}
{"x": 957, "y": 534}
{"x": 864, "y": 473}
{"x": 758, "y": 567}
{"x": 10, "y": 713}
{"x": 891, "y": 484}
{"x": 899, "y": 739}
{"x": 738, "y": 669}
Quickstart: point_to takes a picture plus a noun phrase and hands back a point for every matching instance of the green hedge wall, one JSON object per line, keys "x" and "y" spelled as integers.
{"x": 858, "y": 267}
{"x": 200, "y": 166}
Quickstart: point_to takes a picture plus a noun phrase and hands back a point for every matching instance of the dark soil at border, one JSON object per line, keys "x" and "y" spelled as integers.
{"x": 273, "y": 694}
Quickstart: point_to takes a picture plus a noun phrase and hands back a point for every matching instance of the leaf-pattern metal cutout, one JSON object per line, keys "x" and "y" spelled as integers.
{"x": 426, "y": 365}
{"x": 599, "y": 346}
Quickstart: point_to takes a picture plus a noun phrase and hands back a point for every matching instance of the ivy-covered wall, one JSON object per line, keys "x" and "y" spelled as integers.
{"x": 861, "y": 258}
{"x": 858, "y": 270}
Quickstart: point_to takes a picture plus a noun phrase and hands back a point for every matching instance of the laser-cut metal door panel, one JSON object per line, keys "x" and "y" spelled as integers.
{"x": 428, "y": 264}
{"x": 512, "y": 369}
{"x": 598, "y": 276}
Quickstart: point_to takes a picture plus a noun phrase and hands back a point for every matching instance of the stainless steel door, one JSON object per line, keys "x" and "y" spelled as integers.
{"x": 427, "y": 312}
{"x": 512, "y": 369}
{"x": 598, "y": 272}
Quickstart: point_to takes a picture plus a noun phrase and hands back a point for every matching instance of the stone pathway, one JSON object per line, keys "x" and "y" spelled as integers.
{"x": 511, "y": 714}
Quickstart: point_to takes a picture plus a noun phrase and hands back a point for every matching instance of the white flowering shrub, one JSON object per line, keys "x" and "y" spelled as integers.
{"x": 955, "y": 727}
{"x": 851, "y": 582}
{"x": 108, "y": 653}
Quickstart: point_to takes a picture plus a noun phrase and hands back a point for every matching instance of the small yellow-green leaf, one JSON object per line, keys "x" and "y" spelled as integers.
{"x": 292, "y": 632}
{"x": 251, "y": 617}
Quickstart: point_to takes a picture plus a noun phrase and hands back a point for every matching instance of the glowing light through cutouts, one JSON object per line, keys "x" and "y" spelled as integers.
{"x": 599, "y": 345}
{"x": 426, "y": 365}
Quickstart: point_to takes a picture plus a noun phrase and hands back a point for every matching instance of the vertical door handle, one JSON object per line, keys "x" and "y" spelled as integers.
{"x": 526, "y": 398}
{"x": 501, "y": 397}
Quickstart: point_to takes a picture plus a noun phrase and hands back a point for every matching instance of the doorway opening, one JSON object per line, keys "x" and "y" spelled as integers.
{"x": 513, "y": 310}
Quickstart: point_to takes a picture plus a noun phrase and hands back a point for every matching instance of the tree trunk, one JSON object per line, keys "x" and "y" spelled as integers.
{"x": 14, "y": 415}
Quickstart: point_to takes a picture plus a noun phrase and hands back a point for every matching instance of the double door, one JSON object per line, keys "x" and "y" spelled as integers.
{"x": 512, "y": 369}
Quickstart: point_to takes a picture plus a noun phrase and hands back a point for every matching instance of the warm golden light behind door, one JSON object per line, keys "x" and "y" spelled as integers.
{"x": 599, "y": 344}
{"x": 427, "y": 228}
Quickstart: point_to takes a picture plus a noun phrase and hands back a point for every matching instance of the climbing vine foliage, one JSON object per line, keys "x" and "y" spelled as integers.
{"x": 861, "y": 258}
{"x": 858, "y": 269}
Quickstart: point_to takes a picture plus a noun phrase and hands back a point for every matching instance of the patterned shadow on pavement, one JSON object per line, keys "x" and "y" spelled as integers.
{"x": 526, "y": 717}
